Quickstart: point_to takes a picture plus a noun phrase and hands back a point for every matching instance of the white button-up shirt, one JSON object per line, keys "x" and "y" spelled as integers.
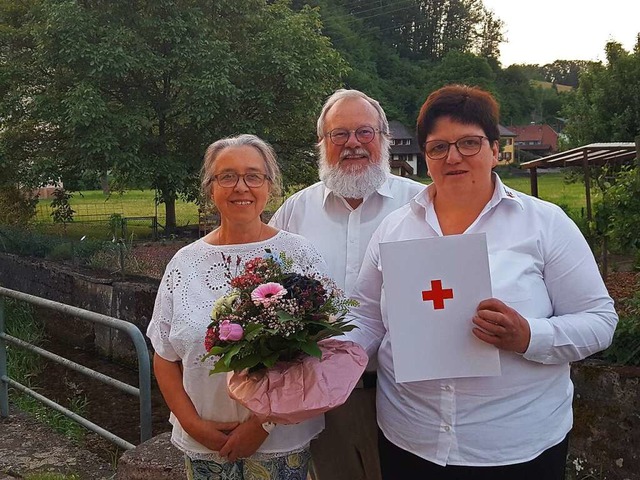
{"x": 341, "y": 233}
{"x": 542, "y": 267}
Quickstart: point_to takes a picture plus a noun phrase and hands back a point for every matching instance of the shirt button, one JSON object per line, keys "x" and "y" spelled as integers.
{"x": 448, "y": 388}
{"x": 447, "y": 428}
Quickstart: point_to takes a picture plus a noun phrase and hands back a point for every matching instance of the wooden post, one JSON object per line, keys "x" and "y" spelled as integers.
{"x": 587, "y": 182}
{"x": 533, "y": 180}
{"x": 637, "y": 140}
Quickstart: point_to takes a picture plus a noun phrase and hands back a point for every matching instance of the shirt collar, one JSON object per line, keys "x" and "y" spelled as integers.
{"x": 384, "y": 190}
{"x": 502, "y": 192}
{"x": 421, "y": 203}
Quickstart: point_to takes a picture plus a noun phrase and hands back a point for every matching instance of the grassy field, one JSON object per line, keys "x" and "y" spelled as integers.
{"x": 93, "y": 208}
{"x": 551, "y": 187}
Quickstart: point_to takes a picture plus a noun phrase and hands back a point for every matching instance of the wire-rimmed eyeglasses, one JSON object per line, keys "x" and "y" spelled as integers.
{"x": 466, "y": 146}
{"x": 231, "y": 179}
{"x": 364, "y": 134}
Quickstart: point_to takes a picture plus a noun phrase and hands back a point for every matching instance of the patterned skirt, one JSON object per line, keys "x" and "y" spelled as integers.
{"x": 285, "y": 466}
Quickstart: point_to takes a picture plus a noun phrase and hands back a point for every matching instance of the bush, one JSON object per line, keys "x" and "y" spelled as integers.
{"x": 17, "y": 207}
{"x": 625, "y": 349}
{"x": 29, "y": 243}
{"x": 618, "y": 215}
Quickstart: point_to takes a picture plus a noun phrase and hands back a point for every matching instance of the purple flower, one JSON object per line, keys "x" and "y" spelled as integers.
{"x": 230, "y": 332}
{"x": 268, "y": 293}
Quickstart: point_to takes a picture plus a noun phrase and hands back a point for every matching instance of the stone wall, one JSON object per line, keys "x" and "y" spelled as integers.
{"x": 127, "y": 300}
{"x": 606, "y": 433}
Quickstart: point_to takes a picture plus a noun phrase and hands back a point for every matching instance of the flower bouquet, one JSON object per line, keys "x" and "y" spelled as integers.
{"x": 272, "y": 332}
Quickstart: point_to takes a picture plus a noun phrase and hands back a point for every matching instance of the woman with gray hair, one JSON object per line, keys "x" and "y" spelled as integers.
{"x": 220, "y": 438}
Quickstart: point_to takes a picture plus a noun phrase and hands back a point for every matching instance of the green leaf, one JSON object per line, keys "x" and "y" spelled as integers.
{"x": 219, "y": 367}
{"x": 284, "y": 316}
{"x": 252, "y": 331}
{"x": 249, "y": 361}
{"x": 217, "y": 351}
{"x": 311, "y": 348}
{"x": 271, "y": 360}
{"x": 227, "y": 357}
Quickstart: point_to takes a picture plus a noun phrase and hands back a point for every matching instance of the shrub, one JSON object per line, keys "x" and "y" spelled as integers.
{"x": 17, "y": 207}
{"x": 625, "y": 349}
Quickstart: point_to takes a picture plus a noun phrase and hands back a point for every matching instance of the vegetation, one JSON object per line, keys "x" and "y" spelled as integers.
{"x": 625, "y": 349}
{"x": 51, "y": 476}
{"x": 24, "y": 366}
{"x": 138, "y": 89}
{"x": 17, "y": 207}
{"x": 606, "y": 106}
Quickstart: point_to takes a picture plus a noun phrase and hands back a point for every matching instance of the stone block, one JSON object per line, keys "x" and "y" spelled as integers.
{"x": 155, "y": 459}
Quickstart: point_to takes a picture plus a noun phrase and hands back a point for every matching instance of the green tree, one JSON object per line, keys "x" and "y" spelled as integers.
{"x": 140, "y": 88}
{"x": 565, "y": 72}
{"x": 516, "y": 96}
{"x": 464, "y": 68}
{"x": 606, "y": 105}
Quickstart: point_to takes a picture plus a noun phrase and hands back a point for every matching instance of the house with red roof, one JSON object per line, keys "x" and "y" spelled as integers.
{"x": 539, "y": 140}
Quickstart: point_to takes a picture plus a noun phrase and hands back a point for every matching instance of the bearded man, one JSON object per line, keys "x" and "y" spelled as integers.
{"x": 339, "y": 215}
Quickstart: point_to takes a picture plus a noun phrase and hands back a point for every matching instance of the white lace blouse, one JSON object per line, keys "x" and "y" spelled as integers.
{"x": 193, "y": 281}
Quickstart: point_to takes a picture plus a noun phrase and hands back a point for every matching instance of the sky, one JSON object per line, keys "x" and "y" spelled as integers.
{"x": 541, "y": 31}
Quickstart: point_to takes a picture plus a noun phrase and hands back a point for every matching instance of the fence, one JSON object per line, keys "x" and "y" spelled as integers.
{"x": 143, "y": 391}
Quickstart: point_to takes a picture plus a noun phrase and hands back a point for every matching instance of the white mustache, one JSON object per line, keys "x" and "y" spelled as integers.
{"x": 354, "y": 151}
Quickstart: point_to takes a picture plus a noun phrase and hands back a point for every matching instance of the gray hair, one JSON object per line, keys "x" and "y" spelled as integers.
{"x": 344, "y": 93}
{"x": 266, "y": 150}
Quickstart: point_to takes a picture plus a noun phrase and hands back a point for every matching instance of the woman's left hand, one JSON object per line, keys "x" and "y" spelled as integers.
{"x": 502, "y": 326}
{"x": 244, "y": 440}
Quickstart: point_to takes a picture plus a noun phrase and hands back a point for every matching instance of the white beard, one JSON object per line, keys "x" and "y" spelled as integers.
{"x": 354, "y": 182}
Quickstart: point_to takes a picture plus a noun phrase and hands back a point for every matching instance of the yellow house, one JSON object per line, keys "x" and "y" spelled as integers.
{"x": 507, "y": 153}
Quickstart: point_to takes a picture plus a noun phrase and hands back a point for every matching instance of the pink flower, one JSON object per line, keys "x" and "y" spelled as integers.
{"x": 231, "y": 332}
{"x": 268, "y": 293}
{"x": 210, "y": 338}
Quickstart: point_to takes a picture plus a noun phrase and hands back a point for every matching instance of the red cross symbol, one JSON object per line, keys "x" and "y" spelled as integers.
{"x": 437, "y": 294}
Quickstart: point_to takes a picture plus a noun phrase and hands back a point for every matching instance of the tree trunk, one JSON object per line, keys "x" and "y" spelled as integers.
{"x": 104, "y": 183}
{"x": 170, "y": 212}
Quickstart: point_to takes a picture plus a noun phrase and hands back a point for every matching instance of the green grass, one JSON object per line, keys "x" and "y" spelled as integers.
{"x": 93, "y": 208}
{"x": 551, "y": 187}
{"x": 23, "y": 366}
{"x": 133, "y": 203}
{"x": 51, "y": 476}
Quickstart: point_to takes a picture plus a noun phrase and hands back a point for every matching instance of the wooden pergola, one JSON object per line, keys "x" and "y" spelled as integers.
{"x": 585, "y": 156}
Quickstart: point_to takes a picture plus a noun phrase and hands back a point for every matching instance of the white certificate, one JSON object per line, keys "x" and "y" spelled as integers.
{"x": 432, "y": 288}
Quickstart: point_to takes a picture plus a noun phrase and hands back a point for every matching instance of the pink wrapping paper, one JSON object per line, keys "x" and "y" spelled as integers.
{"x": 291, "y": 392}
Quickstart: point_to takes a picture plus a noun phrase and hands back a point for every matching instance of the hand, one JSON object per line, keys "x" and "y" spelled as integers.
{"x": 244, "y": 440}
{"x": 502, "y": 326}
{"x": 212, "y": 435}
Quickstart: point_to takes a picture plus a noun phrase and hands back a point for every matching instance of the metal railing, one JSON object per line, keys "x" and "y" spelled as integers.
{"x": 143, "y": 391}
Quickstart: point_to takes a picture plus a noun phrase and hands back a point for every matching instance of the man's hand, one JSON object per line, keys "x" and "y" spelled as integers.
{"x": 244, "y": 440}
{"x": 502, "y": 326}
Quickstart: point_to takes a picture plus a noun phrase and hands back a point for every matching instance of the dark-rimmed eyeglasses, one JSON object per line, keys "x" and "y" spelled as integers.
{"x": 466, "y": 146}
{"x": 231, "y": 179}
{"x": 364, "y": 134}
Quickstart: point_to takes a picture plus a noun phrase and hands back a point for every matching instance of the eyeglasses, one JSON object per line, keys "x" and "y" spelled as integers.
{"x": 340, "y": 136}
{"x": 231, "y": 179}
{"x": 467, "y": 146}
